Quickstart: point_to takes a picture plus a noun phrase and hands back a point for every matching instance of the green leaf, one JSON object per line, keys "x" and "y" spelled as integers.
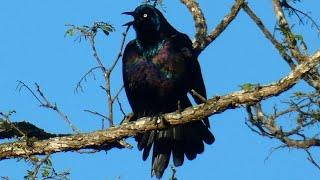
{"x": 46, "y": 172}
{"x": 70, "y": 32}
{"x": 299, "y": 94}
{"x": 248, "y": 86}
{"x": 107, "y": 28}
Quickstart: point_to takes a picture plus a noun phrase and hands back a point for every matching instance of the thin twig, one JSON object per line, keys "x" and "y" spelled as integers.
{"x": 44, "y": 102}
{"x": 7, "y": 119}
{"x": 124, "y": 34}
{"x": 38, "y": 164}
{"x": 98, "y": 114}
{"x": 272, "y": 151}
{"x": 291, "y": 9}
{"x": 311, "y": 159}
{"x": 118, "y": 93}
{"x": 121, "y": 108}
{"x": 84, "y": 77}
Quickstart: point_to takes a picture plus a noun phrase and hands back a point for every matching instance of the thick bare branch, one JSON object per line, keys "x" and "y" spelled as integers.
{"x": 285, "y": 28}
{"x": 199, "y": 20}
{"x": 103, "y": 140}
{"x": 221, "y": 26}
{"x": 202, "y": 38}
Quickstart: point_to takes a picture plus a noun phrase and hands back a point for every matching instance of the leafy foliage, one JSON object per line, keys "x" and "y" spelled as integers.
{"x": 87, "y": 31}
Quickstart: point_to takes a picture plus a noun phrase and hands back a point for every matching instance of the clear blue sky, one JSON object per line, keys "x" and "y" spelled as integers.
{"x": 33, "y": 49}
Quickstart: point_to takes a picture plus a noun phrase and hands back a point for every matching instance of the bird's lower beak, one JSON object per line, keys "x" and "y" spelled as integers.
{"x": 131, "y": 22}
{"x": 128, "y": 23}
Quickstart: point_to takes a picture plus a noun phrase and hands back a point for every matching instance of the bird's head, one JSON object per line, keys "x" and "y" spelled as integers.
{"x": 148, "y": 21}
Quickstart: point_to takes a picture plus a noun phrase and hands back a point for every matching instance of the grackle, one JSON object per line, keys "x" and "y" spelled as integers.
{"x": 160, "y": 68}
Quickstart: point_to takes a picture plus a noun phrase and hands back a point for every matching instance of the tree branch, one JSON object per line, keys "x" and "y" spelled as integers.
{"x": 199, "y": 20}
{"x": 285, "y": 28}
{"x": 104, "y": 140}
{"x": 202, "y": 39}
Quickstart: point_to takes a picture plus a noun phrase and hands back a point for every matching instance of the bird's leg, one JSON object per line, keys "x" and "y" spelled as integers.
{"x": 128, "y": 118}
{"x": 179, "y": 107}
{"x": 199, "y": 96}
{"x": 216, "y": 98}
{"x": 161, "y": 121}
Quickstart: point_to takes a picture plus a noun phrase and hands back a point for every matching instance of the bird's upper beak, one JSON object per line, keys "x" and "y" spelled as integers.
{"x": 131, "y": 22}
{"x": 129, "y": 13}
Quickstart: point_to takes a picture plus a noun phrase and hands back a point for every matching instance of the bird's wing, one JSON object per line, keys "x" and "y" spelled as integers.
{"x": 194, "y": 75}
{"x": 125, "y": 60}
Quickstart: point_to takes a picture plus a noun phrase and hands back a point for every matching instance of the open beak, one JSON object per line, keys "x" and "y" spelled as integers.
{"x": 131, "y": 22}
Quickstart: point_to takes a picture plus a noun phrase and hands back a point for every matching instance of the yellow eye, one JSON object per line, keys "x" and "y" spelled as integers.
{"x": 145, "y": 15}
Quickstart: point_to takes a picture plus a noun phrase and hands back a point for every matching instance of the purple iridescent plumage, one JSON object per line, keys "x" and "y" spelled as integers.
{"x": 159, "y": 69}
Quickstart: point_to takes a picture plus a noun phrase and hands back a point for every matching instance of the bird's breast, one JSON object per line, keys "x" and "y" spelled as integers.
{"x": 163, "y": 74}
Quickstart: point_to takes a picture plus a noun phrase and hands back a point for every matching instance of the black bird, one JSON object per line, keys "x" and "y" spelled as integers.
{"x": 160, "y": 68}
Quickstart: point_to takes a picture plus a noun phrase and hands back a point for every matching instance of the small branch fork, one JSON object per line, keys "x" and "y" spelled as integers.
{"x": 89, "y": 33}
{"x": 44, "y": 166}
{"x": 306, "y": 109}
{"x": 202, "y": 38}
{"x": 300, "y": 14}
{"x": 44, "y": 102}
